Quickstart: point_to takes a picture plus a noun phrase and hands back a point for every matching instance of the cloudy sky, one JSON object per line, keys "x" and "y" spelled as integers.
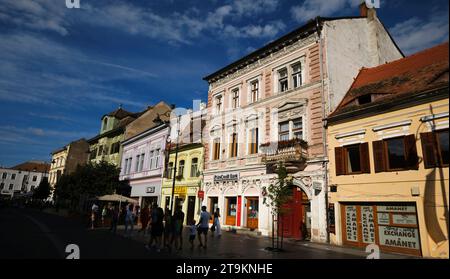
{"x": 62, "y": 69}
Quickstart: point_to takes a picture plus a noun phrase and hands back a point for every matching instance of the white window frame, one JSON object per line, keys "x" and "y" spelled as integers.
{"x": 215, "y": 97}
{"x": 233, "y": 91}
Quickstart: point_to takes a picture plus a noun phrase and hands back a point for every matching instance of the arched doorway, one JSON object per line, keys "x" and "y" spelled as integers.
{"x": 295, "y": 219}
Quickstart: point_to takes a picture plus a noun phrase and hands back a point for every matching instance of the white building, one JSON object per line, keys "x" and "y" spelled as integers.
{"x": 22, "y": 178}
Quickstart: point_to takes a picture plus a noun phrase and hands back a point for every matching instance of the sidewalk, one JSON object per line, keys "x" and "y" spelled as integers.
{"x": 242, "y": 246}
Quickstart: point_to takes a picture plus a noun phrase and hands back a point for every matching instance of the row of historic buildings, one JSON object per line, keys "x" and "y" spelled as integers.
{"x": 362, "y": 130}
{"x": 22, "y": 179}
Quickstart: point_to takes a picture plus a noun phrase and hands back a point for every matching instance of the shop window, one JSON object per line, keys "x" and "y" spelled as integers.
{"x": 435, "y": 148}
{"x": 395, "y": 154}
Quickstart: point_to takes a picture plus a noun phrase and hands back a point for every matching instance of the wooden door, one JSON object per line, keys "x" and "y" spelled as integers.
{"x": 291, "y": 220}
{"x": 252, "y": 212}
{"x": 190, "y": 209}
{"x": 231, "y": 211}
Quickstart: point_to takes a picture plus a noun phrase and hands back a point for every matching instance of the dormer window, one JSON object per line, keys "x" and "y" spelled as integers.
{"x": 105, "y": 123}
{"x": 365, "y": 99}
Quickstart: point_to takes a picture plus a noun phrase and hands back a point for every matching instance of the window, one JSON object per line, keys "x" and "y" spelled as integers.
{"x": 194, "y": 167}
{"x": 234, "y": 146}
{"x": 34, "y": 178}
{"x": 297, "y": 75}
{"x": 136, "y": 166}
{"x": 125, "y": 166}
{"x": 11, "y": 186}
{"x": 152, "y": 159}
{"x": 32, "y": 188}
{"x": 435, "y": 148}
{"x": 100, "y": 150}
{"x": 141, "y": 163}
{"x": 365, "y": 99}
{"x": 254, "y": 89}
{"x": 218, "y": 100}
{"x": 4, "y": 175}
{"x": 170, "y": 170}
{"x": 181, "y": 169}
{"x": 216, "y": 149}
{"x": 157, "y": 156}
{"x": 282, "y": 80}
{"x": 2, "y": 185}
{"x": 352, "y": 159}
{"x": 93, "y": 154}
{"x": 395, "y": 154}
{"x": 253, "y": 144}
{"x": 13, "y": 176}
{"x": 105, "y": 123}
{"x": 297, "y": 128}
{"x": 115, "y": 147}
{"x": 283, "y": 129}
{"x": 235, "y": 100}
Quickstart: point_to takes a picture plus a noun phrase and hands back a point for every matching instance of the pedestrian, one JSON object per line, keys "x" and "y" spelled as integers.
{"x": 192, "y": 233}
{"x": 129, "y": 220}
{"x": 168, "y": 228}
{"x": 157, "y": 227}
{"x": 114, "y": 219}
{"x": 216, "y": 223}
{"x": 94, "y": 211}
{"x": 145, "y": 218}
{"x": 203, "y": 227}
{"x": 178, "y": 219}
{"x": 104, "y": 214}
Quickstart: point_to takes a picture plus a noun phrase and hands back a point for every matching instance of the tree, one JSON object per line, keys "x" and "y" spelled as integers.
{"x": 278, "y": 195}
{"x": 88, "y": 181}
{"x": 42, "y": 192}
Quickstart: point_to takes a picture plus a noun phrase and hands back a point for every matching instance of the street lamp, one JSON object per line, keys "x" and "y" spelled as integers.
{"x": 175, "y": 165}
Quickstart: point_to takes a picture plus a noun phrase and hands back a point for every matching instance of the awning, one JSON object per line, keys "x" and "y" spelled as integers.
{"x": 117, "y": 198}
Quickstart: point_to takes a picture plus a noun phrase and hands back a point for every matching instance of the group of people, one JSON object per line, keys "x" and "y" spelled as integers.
{"x": 165, "y": 228}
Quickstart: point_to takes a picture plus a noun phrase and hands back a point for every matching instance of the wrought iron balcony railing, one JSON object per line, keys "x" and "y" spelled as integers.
{"x": 294, "y": 150}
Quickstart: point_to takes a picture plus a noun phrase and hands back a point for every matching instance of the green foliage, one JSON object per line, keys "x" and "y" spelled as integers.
{"x": 279, "y": 193}
{"x": 90, "y": 180}
{"x": 42, "y": 192}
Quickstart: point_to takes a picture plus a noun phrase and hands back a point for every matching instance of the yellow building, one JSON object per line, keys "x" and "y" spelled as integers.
{"x": 388, "y": 149}
{"x": 187, "y": 180}
{"x": 58, "y": 164}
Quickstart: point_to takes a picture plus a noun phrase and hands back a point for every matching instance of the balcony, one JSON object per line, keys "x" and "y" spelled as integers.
{"x": 293, "y": 153}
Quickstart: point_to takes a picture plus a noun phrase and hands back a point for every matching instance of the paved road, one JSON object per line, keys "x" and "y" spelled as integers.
{"x": 26, "y": 233}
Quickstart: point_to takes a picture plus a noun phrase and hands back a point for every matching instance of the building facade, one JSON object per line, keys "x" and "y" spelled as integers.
{"x": 23, "y": 178}
{"x": 189, "y": 164}
{"x": 389, "y": 157}
{"x": 106, "y": 145}
{"x": 269, "y": 106}
{"x": 143, "y": 153}
{"x": 66, "y": 159}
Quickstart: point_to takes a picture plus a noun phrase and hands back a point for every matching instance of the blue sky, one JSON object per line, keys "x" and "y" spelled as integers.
{"x": 62, "y": 69}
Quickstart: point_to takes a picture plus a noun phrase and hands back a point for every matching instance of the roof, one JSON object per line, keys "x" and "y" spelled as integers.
{"x": 423, "y": 71}
{"x": 120, "y": 113}
{"x": 36, "y": 166}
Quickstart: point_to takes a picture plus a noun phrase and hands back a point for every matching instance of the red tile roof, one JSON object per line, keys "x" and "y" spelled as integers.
{"x": 419, "y": 72}
{"x": 33, "y": 166}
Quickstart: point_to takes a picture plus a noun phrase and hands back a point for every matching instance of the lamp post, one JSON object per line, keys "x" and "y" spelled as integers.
{"x": 175, "y": 164}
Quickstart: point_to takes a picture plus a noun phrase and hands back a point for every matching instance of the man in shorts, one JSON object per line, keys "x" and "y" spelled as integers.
{"x": 203, "y": 226}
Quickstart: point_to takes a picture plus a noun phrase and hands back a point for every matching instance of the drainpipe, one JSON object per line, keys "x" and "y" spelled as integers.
{"x": 324, "y": 135}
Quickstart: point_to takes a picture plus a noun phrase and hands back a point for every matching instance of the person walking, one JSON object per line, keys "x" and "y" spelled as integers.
{"x": 114, "y": 219}
{"x": 94, "y": 211}
{"x": 203, "y": 226}
{"x": 157, "y": 227}
{"x": 192, "y": 233}
{"x": 178, "y": 219}
{"x": 168, "y": 229}
{"x": 104, "y": 214}
{"x": 129, "y": 220}
{"x": 145, "y": 218}
{"x": 216, "y": 223}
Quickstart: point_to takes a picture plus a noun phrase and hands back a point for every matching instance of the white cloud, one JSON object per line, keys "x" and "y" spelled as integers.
{"x": 312, "y": 8}
{"x": 248, "y": 8}
{"x": 255, "y": 31}
{"x": 416, "y": 34}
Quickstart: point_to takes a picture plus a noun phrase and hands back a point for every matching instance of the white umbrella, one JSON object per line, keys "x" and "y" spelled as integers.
{"x": 116, "y": 197}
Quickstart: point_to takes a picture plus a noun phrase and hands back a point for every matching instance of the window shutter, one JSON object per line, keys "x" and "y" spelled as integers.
{"x": 378, "y": 156}
{"x": 365, "y": 159}
{"x": 411, "y": 152}
{"x": 429, "y": 150}
{"x": 339, "y": 160}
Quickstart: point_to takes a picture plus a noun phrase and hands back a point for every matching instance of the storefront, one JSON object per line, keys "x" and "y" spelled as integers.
{"x": 185, "y": 197}
{"x": 148, "y": 193}
{"x": 392, "y": 226}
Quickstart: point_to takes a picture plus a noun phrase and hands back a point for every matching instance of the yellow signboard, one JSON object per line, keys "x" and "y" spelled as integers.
{"x": 181, "y": 190}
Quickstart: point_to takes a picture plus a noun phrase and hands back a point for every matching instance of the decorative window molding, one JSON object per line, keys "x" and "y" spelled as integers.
{"x": 434, "y": 117}
{"x": 392, "y": 125}
{"x": 349, "y": 134}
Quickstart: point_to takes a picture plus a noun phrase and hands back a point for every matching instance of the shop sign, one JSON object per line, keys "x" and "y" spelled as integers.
{"x": 226, "y": 177}
{"x": 399, "y": 237}
{"x": 151, "y": 190}
{"x": 368, "y": 225}
{"x": 351, "y": 223}
{"x": 383, "y": 218}
{"x": 180, "y": 190}
{"x": 404, "y": 219}
{"x": 397, "y": 208}
{"x": 201, "y": 194}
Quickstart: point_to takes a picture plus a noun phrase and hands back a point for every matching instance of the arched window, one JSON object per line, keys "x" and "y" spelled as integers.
{"x": 181, "y": 169}
{"x": 105, "y": 123}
